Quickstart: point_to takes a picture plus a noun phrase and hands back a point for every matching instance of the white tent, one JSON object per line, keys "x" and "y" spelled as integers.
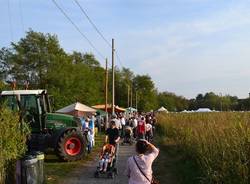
{"x": 203, "y": 110}
{"x": 76, "y": 107}
{"x": 162, "y": 109}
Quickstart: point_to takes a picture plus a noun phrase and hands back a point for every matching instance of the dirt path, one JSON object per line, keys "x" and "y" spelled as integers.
{"x": 163, "y": 169}
{"x": 85, "y": 174}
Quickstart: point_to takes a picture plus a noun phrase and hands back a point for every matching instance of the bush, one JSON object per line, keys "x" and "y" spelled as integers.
{"x": 219, "y": 143}
{"x": 2, "y": 85}
{"x": 12, "y": 140}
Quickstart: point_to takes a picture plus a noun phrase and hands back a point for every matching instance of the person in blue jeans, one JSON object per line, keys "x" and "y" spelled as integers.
{"x": 87, "y": 133}
{"x": 92, "y": 132}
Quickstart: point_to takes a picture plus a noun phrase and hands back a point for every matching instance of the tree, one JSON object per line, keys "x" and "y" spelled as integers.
{"x": 147, "y": 94}
{"x": 30, "y": 58}
{"x": 172, "y": 102}
{"x": 123, "y": 80}
{"x": 39, "y": 59}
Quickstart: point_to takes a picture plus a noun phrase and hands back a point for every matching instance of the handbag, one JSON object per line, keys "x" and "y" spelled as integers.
{"x": 153, "y": 181}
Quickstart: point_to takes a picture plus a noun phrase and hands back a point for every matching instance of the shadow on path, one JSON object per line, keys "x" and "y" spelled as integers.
{"x": 85, "y": 173}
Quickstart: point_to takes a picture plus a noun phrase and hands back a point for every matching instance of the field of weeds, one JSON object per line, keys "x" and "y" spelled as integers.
{"x": 218, "y": 143}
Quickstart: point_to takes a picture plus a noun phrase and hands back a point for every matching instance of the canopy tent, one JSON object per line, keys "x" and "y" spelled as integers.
{"x": 203, "y": 110}
{"x": 131, "y": 109}
{"x": 162, "y": 109}
{"x": 109, "y": 108}
{"x": 77, "y": 109}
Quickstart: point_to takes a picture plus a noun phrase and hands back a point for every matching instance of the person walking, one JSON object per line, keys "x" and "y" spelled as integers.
{"x": 139, "y": 167}
{"x": 149, "y": 132}
{"x": 141, "y": 128}
{"x": 87, "y": 130}
{"x": 112, "y": 134}
{"x": 117, "y": 122}
{"x": 92, "y": 127}
{"x": 134, "y": 126}
{"x": 113, "y": 137}
{"x": 123, "y": 123}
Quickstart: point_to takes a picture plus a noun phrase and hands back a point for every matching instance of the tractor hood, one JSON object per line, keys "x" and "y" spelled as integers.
{"x": 56, "y": 120}
{"x": 58, "y": 116}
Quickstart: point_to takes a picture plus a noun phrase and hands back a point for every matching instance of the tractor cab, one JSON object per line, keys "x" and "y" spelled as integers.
{"x": 33, "y": 104}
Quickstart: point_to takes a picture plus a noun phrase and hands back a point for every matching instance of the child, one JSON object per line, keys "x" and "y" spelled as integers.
{"x": 106, "y": 156}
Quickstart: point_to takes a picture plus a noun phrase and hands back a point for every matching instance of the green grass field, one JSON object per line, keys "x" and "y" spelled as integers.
{"x": 208, "y": 147}
{"x": 56, "y": 170}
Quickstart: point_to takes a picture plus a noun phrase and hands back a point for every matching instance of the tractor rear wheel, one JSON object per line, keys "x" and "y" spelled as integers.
{"x": 71, "y": 146}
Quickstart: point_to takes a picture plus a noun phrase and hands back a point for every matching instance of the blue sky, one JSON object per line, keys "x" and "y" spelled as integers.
{"x": 186, "y": 46}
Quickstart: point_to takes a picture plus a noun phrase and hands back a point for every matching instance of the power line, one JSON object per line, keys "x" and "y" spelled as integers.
{"x": 10, "y": 21}
{"x": 92, "y": 23}
{"x": 119, "y": 59}
{"x": 98, "y": 31}
{"x": 78, "y": 29}
{"x": 21, "y": 14}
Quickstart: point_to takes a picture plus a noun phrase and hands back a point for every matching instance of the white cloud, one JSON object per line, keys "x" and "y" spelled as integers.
{"x": 209, "y": 48}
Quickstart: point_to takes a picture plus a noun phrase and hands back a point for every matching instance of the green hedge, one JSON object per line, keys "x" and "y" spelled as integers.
{"x": 12, "y": 140}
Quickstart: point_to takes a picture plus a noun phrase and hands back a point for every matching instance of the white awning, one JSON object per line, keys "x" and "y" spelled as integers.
{"x": 162, "y": 109}
{"x": 76, "y": 107}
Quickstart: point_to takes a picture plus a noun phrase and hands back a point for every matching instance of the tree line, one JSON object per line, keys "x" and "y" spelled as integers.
{"x": 38, "y": 59}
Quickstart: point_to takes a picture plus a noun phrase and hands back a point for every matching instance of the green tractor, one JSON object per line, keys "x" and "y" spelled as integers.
{"x": 48, "y": 130}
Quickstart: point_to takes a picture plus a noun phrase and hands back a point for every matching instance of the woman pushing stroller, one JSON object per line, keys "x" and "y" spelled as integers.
{"x": 112, "y": 134}
{"x": 108, "y": 156}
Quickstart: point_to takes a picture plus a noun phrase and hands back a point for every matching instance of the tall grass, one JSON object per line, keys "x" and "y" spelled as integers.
{"x": 219, "y": 143}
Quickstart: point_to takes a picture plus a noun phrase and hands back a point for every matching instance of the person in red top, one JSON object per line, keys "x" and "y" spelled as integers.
{"x": 141, "y": 128}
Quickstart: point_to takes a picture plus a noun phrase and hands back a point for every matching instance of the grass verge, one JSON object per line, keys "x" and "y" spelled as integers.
{"x": 172, "y": 166}
{"x": 56, "y": 170}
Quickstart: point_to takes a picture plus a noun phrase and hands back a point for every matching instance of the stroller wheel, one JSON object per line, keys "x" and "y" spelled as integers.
{"x": 96, "y": 175}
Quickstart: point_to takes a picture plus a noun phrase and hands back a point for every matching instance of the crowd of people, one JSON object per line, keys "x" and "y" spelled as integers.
{"x": 142, "y": 129}
{"x": 142, "y": 125}
{"x": 132, "y": 128}
{"x": 130, "y": 125}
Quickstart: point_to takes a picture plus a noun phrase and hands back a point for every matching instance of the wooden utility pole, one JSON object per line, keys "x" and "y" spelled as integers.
{"x": 106, "y": 86}
{"x": 131, "y": 102}
{"x": 113, "y": 77}
{"x": 136, "y": 99}
{"x": 128, "y": 94}
{"x": 106, "y": 95}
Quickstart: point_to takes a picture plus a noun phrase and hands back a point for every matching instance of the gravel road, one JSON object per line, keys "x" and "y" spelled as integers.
{"x": 85, "y": 174}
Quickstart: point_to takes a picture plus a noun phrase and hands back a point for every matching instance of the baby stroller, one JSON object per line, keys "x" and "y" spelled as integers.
{"x": 128, "y": 135}
{"x": 107, "y": 162}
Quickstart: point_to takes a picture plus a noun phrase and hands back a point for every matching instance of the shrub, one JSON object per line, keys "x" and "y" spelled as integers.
{"x": 12, "y": 140}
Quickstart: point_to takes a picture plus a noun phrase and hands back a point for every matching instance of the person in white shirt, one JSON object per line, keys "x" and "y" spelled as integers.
{"x": 134, "y": 126}
{"x": 149, "y": 133}
{"x": 117, "y": 122}
{"x": 139, "y": 167}
{"x": 123, "y": 123}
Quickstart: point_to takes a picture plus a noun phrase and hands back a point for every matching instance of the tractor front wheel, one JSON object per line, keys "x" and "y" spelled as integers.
{"x": 71, "y": 146}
